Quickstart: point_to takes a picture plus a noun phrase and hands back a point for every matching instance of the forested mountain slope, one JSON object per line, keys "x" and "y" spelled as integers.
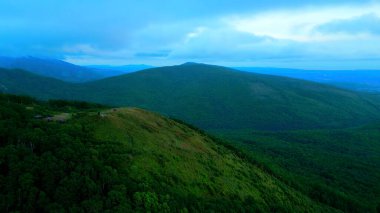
{"x": 338, "y": 167}
{"x": 25, "y": 83}
{"x": 107, "y": 160}
{"x": 213, "y": 97}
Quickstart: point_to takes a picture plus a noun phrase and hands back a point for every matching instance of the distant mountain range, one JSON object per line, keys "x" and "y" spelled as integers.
{"x": 52, "y": 68}
{"x": 66, "y": 71}
{"x": 213, "y": 97}
{"x": 360, "y": 80}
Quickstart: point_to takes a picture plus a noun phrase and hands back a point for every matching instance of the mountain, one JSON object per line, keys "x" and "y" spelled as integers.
{"x": 57, "y": 69}
{"x": 61, "y": 156}
{"x": 215, "y": 98}
{"x": 26, "y": 83}
{"x": 51, "y": 68}
{"x": 340, "y": 168}
{"x": 360, "y": 80}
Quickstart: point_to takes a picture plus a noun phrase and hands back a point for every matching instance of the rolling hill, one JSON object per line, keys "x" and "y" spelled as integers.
{"x": 216, "y": 98}
{"x": 26, "y": 83}
{"x": 118, "y": 160}
{"x": 213, "y": 97}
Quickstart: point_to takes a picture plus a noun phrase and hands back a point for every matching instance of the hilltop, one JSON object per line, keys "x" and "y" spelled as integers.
{"x": 213, "y": 97}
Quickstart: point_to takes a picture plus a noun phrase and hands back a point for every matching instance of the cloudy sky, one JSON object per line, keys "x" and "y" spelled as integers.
{"x": 319, "y": 34}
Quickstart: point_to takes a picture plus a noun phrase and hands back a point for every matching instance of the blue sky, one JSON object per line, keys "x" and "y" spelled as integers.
{"x": 301, "y": 34}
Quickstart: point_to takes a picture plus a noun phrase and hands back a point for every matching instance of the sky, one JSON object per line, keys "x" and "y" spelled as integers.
{"x": 319, "y": 34}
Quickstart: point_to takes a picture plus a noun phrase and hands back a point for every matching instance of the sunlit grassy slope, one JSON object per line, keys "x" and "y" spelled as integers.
{"x": 171, "y": 157}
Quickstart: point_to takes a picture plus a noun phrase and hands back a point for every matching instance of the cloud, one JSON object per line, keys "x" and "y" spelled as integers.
{"x": 299, "y": 24}
{"x": 218, "y": 43}
{"x": 368, "y": 23}
{"x": 157, "y": 54}
{"x": 284, "y": 35}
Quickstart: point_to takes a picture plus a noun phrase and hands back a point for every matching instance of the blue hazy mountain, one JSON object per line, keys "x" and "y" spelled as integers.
{"x": 360, "y": 80}
{"x": 213, "y": 97}
{"x": 51, "y": 68}
{"x": 63, "y": 70}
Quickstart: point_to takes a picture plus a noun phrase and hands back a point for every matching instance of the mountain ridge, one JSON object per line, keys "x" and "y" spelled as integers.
{"x": 50, "y": 68}
{"x": 63, "y": 70}
{"x": 205, "y": 83}
{"x": 215, "y": 97}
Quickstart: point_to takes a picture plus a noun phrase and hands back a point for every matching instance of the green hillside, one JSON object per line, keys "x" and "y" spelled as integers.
{"x": 213, "y": 97}
{"x": 57, "y": 69}
{"x": 340, "y": 168}
{"x": 95, "y": 159}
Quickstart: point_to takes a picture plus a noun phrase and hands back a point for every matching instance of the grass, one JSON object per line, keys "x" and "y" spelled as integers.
{"x": 167, "y": 155}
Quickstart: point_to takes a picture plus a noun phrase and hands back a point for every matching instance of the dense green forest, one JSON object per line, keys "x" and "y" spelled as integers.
{"x": 118, "y": 160}
{"x": 340, "y": 168}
